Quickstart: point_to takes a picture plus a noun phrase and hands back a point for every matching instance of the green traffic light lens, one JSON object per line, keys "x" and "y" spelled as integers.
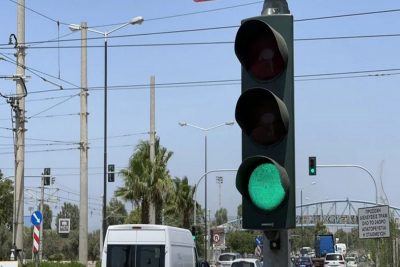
{"x": 312, "y": 170}
{"x": 265, "y": 187}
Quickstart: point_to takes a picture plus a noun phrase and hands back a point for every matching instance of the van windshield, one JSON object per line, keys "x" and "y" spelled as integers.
{"x": 135, "y": 255}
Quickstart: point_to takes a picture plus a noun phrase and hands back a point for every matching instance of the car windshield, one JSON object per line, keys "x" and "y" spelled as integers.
{"x": 243, "y": 264}
{"x": 334, "y": 257}
{"x": 227, "y": 257}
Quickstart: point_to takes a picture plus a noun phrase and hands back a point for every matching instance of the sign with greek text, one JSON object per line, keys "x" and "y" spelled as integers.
{"x": 373, "y": 222}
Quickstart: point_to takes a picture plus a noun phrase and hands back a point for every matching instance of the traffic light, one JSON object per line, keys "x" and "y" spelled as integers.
{"x": 111, "y": 174}
{"x": 312, "y": 166}
{"x": 265, "y": 113}
{"x": 46, "y": 177}
{"x": 195, "y": 231}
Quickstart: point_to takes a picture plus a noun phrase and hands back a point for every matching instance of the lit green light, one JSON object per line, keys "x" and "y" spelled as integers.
{"x": 194, "y": 238}
{"x": 265, "y": 187}
{"x": 312, "y": 170}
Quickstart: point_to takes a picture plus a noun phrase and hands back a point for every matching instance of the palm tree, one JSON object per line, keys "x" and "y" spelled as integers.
{"x": 139, "y": 185}
{"x": 136, "y": 178}
{"x": 181, "y": 200}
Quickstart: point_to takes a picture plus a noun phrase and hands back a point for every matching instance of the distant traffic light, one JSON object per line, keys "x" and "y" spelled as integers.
{"x": 111, "y": 174}
{"x": 265, "y": 113}
{"x": 195, "y": 231}
{"x": 46, "y": 176}
{"x": 312, "y": 166}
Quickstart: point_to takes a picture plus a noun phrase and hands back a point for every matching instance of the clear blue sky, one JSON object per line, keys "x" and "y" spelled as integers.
{"x": 341, "y": 121}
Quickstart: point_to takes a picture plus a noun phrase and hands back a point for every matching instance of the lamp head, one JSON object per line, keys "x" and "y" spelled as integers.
{"x": 182, "y": 123}
{"x": 230, "y": 123}
{"x": 138, "y": 20}
{"x": 74, "y": 27}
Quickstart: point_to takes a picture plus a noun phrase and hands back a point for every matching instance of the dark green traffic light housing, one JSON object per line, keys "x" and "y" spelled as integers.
{"x": 265, "y": 113}
{"x": 312, "y": 166}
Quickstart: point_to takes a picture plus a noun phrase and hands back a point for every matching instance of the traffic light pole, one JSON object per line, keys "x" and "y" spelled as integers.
{"x": 376, "y": 197}
{"x": 276, "y": 249}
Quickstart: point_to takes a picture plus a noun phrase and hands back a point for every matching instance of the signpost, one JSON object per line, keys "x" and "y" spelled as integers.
{"x": 373, "y": 222}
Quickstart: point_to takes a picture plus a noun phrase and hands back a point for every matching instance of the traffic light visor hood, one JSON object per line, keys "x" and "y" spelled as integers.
{"x": 261, "y": 50}
{"x": 264, "y": 183}
{"x": 262, "y": 116}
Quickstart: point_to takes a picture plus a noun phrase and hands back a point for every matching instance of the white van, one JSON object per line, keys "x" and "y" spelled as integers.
{"x": 148, "y": 245}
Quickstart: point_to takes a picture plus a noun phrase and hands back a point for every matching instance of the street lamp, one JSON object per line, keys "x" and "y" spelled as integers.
{"x": 301, "y": 211}
{"x": 74, "y": 27}
{"x": 205, "y": 130}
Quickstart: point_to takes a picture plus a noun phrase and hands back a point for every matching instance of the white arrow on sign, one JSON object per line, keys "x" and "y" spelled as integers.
{"x": 37, "y": 219}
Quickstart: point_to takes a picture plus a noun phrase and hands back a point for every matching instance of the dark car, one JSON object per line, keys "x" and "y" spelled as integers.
{"x": 202, "y": 263}
{"x": 304, "y": 262}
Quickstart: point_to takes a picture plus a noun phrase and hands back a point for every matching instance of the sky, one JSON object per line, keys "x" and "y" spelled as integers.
{"x": 338, "y": 120}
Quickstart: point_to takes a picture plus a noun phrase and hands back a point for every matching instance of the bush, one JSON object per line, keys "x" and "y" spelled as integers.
{"x": 55, "y": 264}
{"x": 98, "y": 263}
{"x": 56, "y": 257}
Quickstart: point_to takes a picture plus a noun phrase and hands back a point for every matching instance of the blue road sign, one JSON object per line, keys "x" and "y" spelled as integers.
{"x": 258, "y": 241}
{"x": 36, "y": 218}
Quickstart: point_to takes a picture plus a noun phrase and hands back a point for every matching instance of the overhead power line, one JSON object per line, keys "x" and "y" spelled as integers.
{"x": 38, "y": 13}
{"x": 211, "y": 42}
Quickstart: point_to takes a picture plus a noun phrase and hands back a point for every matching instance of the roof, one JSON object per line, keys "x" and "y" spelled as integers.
{"x": 143, "y": 226}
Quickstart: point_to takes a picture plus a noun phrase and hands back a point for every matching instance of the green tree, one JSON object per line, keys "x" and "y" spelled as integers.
{"x": 239, "y": 211}
{"x": 94, "y": 245}
{"x": 6, "y": 201}
{"x": 116, "y": 212}
{"x": 5, "y": 243}
{"x": 320, "y": 228}
{"x": 134, "y": 217}
{"x": 221, "y": 216}
{"x": 241, "y": 242}
{"x": 47, "y": 216}
{"x": 53, "y": 243}
{"x": 69, "y": 211}
{"x": 139, "y": 187}
{"x": 181, "y": 201}
{"x": 70, "y": 247}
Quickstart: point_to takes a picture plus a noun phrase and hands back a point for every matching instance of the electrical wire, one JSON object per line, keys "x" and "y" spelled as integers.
{"x": 38, "y": 13}
{"x": 212, "y": 42}
{"x": 56, "y": 105}
{"x": 184, "y": 14}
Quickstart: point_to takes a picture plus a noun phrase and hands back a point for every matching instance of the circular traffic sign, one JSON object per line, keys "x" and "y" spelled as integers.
{"x": 216, "y": 238}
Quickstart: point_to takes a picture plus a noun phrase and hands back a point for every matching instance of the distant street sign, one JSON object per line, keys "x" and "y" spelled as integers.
{"x": 216, "y": 238}
{"x": 64, "y": 226}
{"x": 36, "y": 218}
{"x": 373, "y": 222}
{"x": 258, "y": 241}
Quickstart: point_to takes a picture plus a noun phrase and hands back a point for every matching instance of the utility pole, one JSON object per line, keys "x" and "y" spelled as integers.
{"x": 101, "y": 226}
{"x": 41, "y": 223}
{"x": 83, "y": 209}
{"x": 20, "y": 133}
{"x": 220, "y": 181}
{"x": 152, "y": 212}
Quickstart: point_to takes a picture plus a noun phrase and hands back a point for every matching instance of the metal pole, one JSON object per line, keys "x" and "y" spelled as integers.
{"x": 105, "y": 140}
{"x": 41, "y": 230}
{"x": 20, "y": 131}
{"x": 206, "y": 245}
{"x": 376, "y": 200}
{"x": 152, "y": 208}
{"x": 195, "y": 209}
{"x": 301, "y": 212}
{"x": 83, "y": 209}
{"x": 101, "y": 227}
